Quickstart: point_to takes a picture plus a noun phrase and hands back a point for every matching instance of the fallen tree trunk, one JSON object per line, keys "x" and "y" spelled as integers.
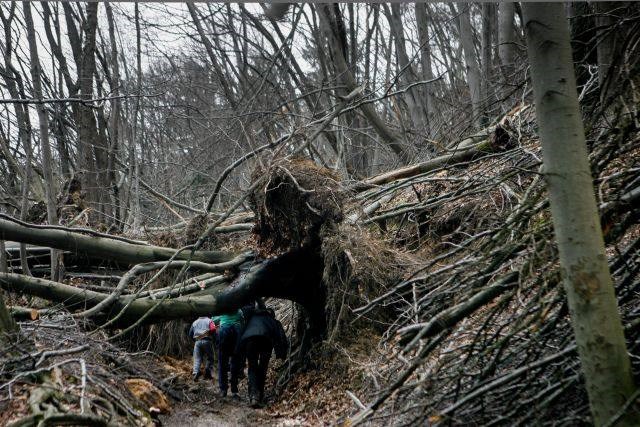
{"x": 122, "y": 252}
{"x": 490, "y": 140}
{"x": 76, "y": 298}
{"x": 458, "y": 156}
{"x": 294, "y": 275}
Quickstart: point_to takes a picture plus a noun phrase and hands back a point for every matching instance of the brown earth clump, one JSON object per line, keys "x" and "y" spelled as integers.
{"x": 295, "y": 200}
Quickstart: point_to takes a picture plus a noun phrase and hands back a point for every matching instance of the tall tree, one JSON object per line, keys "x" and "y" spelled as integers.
{"x": 471, "y": 61}
{"x": 92, "y": 144}
{"x": 45, "y": 146}
{"x": 506, "y": 36}
{"x": 407, "y": 73}
{"x": 330, "y": 27}
{"x": 488, "y": 17}
{"x": 114, "y": 115}
{"x": 424, "y": 39}
{"x": 15, "y": 87}
{"x": 587, "y": 280}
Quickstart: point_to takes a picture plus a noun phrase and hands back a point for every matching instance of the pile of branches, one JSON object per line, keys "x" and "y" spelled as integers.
{"x": 483, "y": 334}
{"x": 58, "y": 374}
{"x": 453, "y": 257}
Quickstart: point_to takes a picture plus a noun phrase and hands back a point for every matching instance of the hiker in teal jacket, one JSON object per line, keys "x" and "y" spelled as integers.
{"x": 229, "y": 329}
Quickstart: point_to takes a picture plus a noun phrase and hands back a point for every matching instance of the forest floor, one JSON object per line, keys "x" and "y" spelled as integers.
{"x": 312, "y": 397}
{"x": 203, "y": 406}
{"x": 209, "y": 409}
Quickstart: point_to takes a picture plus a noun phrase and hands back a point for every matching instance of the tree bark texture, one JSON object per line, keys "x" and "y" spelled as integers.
{"x": 92, "y": 147}
{"x": 422, "y": 18}
{"x": 587, "y": 281}
{"x": 506, "y": 36}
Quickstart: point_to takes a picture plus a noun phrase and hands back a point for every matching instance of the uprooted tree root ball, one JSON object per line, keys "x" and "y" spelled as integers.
{"x": 301, "y": 205}
{"x": 295, "y": 200}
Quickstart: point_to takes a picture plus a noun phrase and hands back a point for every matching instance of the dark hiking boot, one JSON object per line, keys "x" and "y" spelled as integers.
{"x": 196, "y": 376}
{"x": 208, "y": 376}
{"x": 235, "y": 395}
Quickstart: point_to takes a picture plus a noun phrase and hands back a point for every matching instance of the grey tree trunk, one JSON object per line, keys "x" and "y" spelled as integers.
{"x": 91, "y": 145}
{"x": 587, "y": 281}
{"x": 45, "y": 146}
{"x": 471, "y": 61}
{"x": 111, "y": 249}
{"x": 609, "y": 40}
{"x": 136, "y": 140}
{"x": 422, "y": 18}
{"x": 506, "y": 36}
{"x": 488, "y": 16}
{"x": 114, "y": 117}
{"x": 4, "y": 266}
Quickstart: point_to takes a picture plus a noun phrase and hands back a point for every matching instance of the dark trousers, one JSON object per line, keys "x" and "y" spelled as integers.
{"x": 227, "y": 340}
{"x": 201, "y": 349}
{"x": 258, "y": 352}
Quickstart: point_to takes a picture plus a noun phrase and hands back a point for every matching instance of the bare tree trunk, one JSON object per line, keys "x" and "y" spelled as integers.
{"x": 137, "y": 132}
{"x": 43, "y": 119}
{"x": 609, "y": 41}
{"x": 422, "y": 18}
{"x": 583, "y": 32}
{"x": 96, "y": 246}
{"x": 393, "y": 140}
{"x": 470, "y": 58}
{"x": 4, "y": 267}
{"x": 488, "y": 17}
{"x": 16, "y": 90}
{"x": 114, "y": 117}
{"x": 506, "y": 36}
{"x": 587, "y": 281}
{"x": 408, "y": 74}
{"x": 89, "y": 141}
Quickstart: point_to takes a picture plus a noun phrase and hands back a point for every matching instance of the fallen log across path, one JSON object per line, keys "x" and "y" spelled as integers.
{"x": 279, "y": 277}
{"x": 96, "y": 246}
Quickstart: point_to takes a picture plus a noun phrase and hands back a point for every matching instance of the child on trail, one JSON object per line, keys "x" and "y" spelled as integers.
{"x": 202, "y": 331}
{"x": 229, "y": 329}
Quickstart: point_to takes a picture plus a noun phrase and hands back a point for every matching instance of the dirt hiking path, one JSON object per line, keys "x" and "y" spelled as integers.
{"x": 205, "y": 408}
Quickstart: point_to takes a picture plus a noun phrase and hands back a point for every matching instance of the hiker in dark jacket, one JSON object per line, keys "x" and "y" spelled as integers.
{"x": 262, "y": 334}
{"x": 202, "y": 331}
